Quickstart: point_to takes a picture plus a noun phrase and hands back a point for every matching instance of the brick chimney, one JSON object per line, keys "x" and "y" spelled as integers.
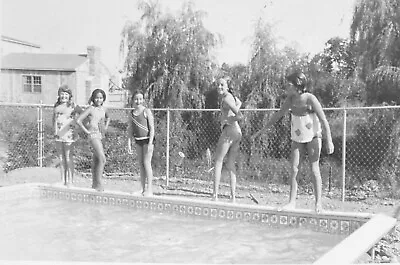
{"x": 94, "y": 55}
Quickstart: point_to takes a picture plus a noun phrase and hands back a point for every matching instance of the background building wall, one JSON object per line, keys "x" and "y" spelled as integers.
{"x": 13, "y": 90}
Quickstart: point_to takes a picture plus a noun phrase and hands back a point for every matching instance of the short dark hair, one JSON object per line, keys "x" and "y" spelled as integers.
{"x": 137, "y": 91}
{"x": 95, "y": 92}
{"x": 299, "y": 80}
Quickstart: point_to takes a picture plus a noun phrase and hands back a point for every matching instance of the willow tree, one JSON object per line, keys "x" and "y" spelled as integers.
{"x": 375, "y": 34}
{"x": 168, "y": 56}
{"x": 262, "y": 89}
{"x": 265, "y": 68}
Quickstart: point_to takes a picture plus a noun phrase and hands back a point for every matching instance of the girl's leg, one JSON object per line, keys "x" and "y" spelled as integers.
{"x": 68, "y": 162}
{"x": 72, "y": 162}
{"x": 314, "y": 152}
{"x": 147, "y": 156}
{"x": 101, "y": 161}
{"x": 60, "y": 153}
{"x": 230, "y": 164}
{"x": 140, "y": 155}
{"x": 93, "y": 169}
{"x": 296, "y": 157}
{"x": 222, "y": 149}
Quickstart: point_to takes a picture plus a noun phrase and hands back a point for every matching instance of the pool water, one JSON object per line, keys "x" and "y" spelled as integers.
{"x": 49, "y": 230}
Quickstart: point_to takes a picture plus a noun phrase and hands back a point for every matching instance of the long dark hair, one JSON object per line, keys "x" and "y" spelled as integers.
{"x": 64, "y": 88}
{"x": 94, "y": 93}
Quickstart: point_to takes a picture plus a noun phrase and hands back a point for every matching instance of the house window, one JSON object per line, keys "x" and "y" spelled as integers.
{"x": 32, "y": 83}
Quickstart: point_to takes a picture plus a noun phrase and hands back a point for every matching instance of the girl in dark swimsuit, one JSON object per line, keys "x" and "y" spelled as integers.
{"x": 141, "y": 129}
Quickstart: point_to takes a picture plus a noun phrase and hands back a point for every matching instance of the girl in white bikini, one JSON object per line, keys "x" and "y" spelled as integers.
{"x": 228, "y": 143}
{"x": 98, "y": 124}
{"x": 306, "y": 133}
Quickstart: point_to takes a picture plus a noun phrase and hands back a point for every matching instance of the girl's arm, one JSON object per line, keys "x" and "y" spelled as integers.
{"x": 234, "y": 105}
{"x": 238, "y": 103}
{"x": 130, "y": 127}
{"x": 108, "y": 119}
{"x": 276, "y": 116}
{"x": 54, "y": 123}
{"x": 150, "y": 119}
{"x": 280, "y": 113}
{"x": 82, "y": 117}
{"x": 130, "y": 135}
{"x": 77, "y": 110}
{"x": 321, "y": 116}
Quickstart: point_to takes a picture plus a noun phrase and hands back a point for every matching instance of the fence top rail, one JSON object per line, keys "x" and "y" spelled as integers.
{"x": 183, "y": 109}
{"x": 23, "y": 104}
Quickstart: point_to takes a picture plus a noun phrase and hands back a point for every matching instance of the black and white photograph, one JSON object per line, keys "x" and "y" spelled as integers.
{"x": 199, "y": 132}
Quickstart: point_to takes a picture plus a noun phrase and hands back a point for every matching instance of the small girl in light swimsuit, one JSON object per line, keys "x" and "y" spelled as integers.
{"x": 228, "y": 143}
{"x": 98, "y": 124}
{"x": 306, "y": 133}
{"x": 64, "y": 131}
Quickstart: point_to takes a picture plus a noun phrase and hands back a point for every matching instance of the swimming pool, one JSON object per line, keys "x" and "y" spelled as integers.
{"x": 246, "y": 233}
{"x": 59, "y": 231}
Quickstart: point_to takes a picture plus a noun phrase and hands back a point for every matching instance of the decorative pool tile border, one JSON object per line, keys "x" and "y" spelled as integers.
{"x": 329, "y": 222}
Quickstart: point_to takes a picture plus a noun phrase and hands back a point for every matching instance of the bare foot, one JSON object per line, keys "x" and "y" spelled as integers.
{"x": 396, "y": 213}
{"x": 289, "y": 206}
{"x": 318, "y": 208}
{"x": 99, "y": 188}
{"x": 137, "y": 193}
{"x": 148, "y": 193}
{"x": 233, "y": 200}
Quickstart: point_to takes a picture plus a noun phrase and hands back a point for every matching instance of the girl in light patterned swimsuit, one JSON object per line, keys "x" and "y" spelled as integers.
{"x": 307, "y": 115}
{"x": 98, "y": 124}
{"x": 64, "y": 125}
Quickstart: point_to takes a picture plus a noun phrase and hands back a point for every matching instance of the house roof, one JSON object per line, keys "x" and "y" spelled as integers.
{"x": 42, "y": 61}
{"x": 13, "y": 40}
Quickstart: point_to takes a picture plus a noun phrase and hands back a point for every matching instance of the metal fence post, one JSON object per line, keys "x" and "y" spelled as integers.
{"x": 344, "y": 155}
{"x": 40, "y": 146}
{"x": 167, "y": 155}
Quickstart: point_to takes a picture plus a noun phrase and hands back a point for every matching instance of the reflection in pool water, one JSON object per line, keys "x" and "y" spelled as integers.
{"x": 55, "y": 230}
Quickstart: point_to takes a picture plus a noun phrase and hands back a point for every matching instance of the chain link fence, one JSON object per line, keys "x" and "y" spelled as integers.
{"x": 366, "y": 145}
